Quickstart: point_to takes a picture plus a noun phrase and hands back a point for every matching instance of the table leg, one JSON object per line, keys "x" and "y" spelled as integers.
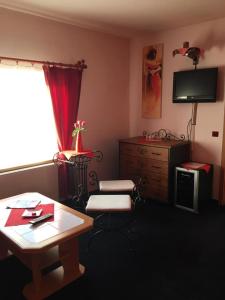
{"x": 44, "y": 285}
{"x": 36, "y": 273}
{"x": 69, "y": 257}
{"x": 33, "y": 290}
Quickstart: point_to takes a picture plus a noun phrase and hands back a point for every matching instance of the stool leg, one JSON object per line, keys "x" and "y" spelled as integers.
{"x": 100, "y": 230}
{"x": 92, "y": 237}
{"x": 109, "y": 228}
{"x": 137, "y": 198}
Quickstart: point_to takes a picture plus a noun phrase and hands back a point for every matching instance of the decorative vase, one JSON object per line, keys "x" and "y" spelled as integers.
{"x": 78, "y": 143}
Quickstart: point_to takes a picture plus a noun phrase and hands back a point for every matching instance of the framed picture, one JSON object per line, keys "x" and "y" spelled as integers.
{"x": 152, "y": 81}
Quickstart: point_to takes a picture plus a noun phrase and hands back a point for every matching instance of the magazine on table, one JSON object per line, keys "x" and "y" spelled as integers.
{"x": 24, "y": 203}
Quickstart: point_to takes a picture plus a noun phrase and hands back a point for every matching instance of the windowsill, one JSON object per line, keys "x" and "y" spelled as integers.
{"x": 25, "y": 168}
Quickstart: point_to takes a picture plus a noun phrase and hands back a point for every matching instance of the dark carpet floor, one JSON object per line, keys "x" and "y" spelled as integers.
{"x": 178, "y": 255}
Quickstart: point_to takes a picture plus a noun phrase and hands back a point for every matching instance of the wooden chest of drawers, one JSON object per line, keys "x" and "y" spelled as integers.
{"x": 154, "y": 162}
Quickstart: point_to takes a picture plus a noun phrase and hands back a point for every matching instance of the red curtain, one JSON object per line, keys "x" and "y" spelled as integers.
{"x": 64, "y": 85}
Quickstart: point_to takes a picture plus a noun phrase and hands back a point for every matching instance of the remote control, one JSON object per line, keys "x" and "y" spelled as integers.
{"x": 40, "y": 219}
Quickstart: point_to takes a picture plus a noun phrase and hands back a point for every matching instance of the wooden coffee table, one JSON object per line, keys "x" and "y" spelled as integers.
{"x": 47, "y": 244}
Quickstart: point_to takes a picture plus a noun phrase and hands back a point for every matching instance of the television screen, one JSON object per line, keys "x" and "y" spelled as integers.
{"x": 199, "y": 85}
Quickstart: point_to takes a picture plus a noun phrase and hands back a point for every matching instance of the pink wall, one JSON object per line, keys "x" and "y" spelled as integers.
{"x": 210, "y": 116}
{"x": 111, "y": 88}
{"x": 104, "y": 102}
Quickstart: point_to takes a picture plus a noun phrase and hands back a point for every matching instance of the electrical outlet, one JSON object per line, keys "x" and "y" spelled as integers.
{"x": 215, "y": 133}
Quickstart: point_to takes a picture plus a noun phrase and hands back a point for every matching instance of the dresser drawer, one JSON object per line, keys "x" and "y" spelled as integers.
{"x": 156, "y": 153}
{"x": 128, "y": 173}
{"x": 155, "y": 193}
{"x": 144, "y": 165}
{"x": 160, "y": 194}
{"x": 155, "y": 180}
{"x": 154, "y": 163}
{"x": 128, "y": 149}
{"x": 127, "y": 161}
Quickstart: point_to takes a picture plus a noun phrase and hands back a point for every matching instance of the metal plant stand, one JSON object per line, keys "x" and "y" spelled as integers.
{"x": 79, "y": 163}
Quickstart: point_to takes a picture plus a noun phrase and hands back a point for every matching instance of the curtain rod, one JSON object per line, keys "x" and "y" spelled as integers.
{"x": 79, "y": 65}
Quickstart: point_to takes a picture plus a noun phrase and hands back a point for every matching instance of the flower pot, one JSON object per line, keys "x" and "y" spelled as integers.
{"x": 78, "y": 143}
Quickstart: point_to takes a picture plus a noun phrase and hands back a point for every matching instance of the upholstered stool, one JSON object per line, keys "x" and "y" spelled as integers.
{"x": 121, "y": 186}
{"x": 116, "y": 186}
{"x": 109, "y": 205}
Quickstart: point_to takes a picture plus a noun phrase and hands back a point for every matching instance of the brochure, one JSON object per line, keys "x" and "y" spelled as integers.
{"x": 24, "y": 203}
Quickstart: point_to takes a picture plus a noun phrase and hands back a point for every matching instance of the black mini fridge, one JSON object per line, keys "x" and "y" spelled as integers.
{"x": 193, "y": 187}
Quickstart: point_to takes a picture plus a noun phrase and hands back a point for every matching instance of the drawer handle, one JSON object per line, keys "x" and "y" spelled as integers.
{"x": 142, "y": 151}
{"x": 156, "y": 167}
{"x": 155, "y": 153}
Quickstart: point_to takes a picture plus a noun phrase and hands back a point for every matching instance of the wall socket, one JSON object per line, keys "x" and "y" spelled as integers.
{"x": 215, "y": 133}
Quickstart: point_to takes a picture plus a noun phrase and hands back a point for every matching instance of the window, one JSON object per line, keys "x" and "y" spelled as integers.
{"x": 27, "y": 128}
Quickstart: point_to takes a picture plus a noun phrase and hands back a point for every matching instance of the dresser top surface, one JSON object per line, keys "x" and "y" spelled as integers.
{"x": 140, "y": 140}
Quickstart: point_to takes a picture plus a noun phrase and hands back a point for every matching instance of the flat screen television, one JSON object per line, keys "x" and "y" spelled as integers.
{"x": 198, "y": 85}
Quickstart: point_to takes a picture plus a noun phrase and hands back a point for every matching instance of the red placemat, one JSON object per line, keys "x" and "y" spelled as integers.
{"x": 15, "y": 218}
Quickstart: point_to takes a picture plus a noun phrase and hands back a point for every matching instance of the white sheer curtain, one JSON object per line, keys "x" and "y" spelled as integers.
{"x": 27, "y": 128}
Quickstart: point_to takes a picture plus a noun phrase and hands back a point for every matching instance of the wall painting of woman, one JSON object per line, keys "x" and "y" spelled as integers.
{"x": 152, "y": 81}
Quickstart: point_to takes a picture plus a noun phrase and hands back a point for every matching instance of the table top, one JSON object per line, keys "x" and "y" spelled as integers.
{"x": 68, "y": 223}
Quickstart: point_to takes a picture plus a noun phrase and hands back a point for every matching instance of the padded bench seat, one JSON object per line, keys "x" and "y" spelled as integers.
{"x": 116, "y": 185}
{"x": 109, "y": 203}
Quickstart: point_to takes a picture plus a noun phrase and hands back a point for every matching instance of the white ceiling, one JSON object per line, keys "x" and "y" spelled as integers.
{"x": 123, "y": 17}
